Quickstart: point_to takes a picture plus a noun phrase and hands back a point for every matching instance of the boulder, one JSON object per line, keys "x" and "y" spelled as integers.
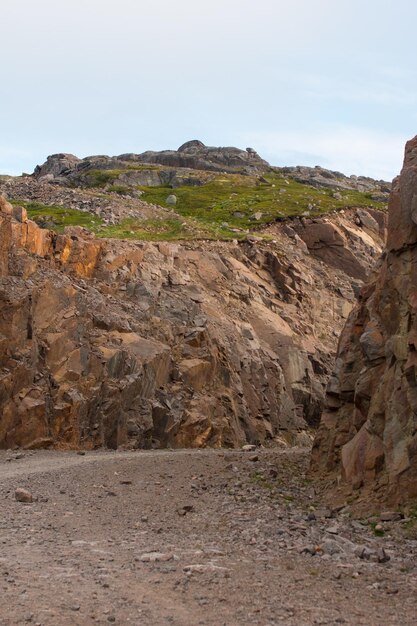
{"x": 327, "y": 242}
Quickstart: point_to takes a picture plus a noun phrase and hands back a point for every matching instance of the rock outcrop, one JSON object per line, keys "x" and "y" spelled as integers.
{"x": 195, "y": 165}
{"x": 109, "y": 342}
{"x": 328, "y": 179}
{"x": 193, "y": 155}
{"x": 368, "y": 432}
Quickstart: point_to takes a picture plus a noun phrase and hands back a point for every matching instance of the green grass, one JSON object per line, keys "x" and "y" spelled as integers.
{"x": 206, "y": 211}
{"x": 378, "y": 532}
{"x": 119, "y": 189}
{"x": 218, "y": 200}
{"x": 148, "y": 230}
{"x": 102, "y": 178}
{"x": 259, "y": 479}
{"x": 57, "y": 218}
{"x": 169, "y": 229}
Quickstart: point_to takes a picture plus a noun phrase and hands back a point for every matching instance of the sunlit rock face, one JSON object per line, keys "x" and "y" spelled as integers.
{"x": 130, "y": 343}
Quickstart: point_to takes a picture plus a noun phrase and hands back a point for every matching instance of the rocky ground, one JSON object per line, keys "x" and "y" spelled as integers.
{"x": 193, "y": 537}
{"x": 110, "y": 207}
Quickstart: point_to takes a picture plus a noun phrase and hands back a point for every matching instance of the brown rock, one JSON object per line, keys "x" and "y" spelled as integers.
{"x": 146, "y": 345}
{"x": 369, "y": 434}
{"x": 23, "y": 495}
{"x": 328, "y": 243}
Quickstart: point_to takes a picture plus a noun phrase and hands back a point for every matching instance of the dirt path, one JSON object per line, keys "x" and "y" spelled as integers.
{"x": 191, "y": 538}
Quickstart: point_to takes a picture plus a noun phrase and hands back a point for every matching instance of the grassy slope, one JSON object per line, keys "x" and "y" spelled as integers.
{"x": 218, "y": 200}
{"x": 213, "y": 210}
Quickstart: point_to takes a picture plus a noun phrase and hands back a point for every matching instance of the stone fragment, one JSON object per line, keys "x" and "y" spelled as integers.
{"x": 23, "y": 495}
{"x": 171, "y": 199}
{"x": 383, "y": 556}
{"x": 201, "y": 568}
{"x": 183, "y": 510}
{"x": 391, "y": 516}
{"x": 156, "y": 557}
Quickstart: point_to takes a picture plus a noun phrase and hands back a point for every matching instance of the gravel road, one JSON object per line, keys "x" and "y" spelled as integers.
{"x": 191, "y": 538}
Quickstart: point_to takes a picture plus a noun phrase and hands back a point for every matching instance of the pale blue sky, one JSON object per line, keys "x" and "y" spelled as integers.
{"x": 302, "y": 82}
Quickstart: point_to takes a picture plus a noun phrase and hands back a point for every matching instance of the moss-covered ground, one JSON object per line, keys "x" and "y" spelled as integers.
{"x": 235, "y": 199}
{"x": 225, "y": 207}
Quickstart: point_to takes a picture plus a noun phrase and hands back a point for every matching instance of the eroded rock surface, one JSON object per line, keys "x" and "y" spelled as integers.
{"x": 109, "y": 342}
{"x": 324, "y": 178}
{"x": 193, "y": 155}
{"x": 368, "y": 432}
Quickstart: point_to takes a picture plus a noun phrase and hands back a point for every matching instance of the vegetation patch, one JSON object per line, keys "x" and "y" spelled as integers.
{"x": 245, "y": 202}
{"x": 259, "y": 479}
{"x": 222, "y": 207}
{"x": 102, "y": 178}
{"x": 377, "y": 529}
{"x": 121, "y": 190}
{"x": 57, "y": 218}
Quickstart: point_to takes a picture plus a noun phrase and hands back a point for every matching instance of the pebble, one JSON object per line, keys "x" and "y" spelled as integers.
{"x": 201, "y": 568}
{"x": 383, "y": 556}
{"x": 331, "y": 547}
{"x": 183, "y": 510}
{"x": 23, "y": 495}
{"x": 155, "y": 557}
{"x": 391, "y": 516}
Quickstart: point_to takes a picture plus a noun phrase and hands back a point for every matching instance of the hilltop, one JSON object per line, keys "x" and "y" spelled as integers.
{"x": 195, "y": 192}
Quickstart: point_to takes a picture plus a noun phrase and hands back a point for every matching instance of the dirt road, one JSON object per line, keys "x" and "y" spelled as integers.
{"x": 191, "y": 538}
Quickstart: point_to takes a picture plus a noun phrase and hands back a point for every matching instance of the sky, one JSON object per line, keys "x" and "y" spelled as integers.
{"x": 311, "y": 82}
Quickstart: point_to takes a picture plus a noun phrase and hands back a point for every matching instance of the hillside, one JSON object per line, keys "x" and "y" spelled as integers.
{"x": 167, "y": 196}
{"x": 114, "y": 341}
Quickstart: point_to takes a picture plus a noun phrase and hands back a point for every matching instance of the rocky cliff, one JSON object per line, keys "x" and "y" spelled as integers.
{"x": 193, "y": 164}
{"x": 368, "y": 432}
{"x": 111, "y": 342}
{"x": 192, "y": 155}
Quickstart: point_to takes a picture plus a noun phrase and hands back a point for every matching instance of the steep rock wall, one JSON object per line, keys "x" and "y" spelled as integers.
{"x": 368, "y": 431}
{"x": 109, "y": 342}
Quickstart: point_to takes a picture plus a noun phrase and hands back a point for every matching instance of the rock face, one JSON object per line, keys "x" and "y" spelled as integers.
{"x": 368, "y": 432}
{"x": 323, "y": 178}
{"x": 193, "y": 155}
{"x": 109, "y": 342}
